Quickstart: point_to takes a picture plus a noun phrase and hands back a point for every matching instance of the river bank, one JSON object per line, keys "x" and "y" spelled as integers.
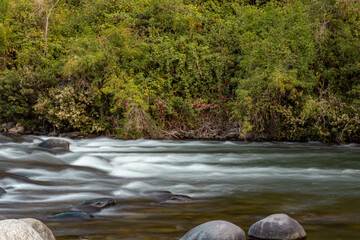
{"x": 231, "y": 132}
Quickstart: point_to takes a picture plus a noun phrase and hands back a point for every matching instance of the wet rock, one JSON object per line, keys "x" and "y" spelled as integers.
{"x": 72, "y": 215}
{"x": 40, "y": 227}
{"x": 2, "y": 191}
{"x": 97, "y": 204}
{"x": 215, "y": 230}
{"x": 277, "y": 227}
{"x": 166, "y": 196}
{"x": 13, "y": 229}
{"x": 55, "y": 143}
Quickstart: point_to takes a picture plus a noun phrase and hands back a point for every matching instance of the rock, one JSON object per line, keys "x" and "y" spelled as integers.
{"x": 40, "y": 227}
{"x": 2, "y": 217}
{"x": 2, "y": 191}
{"x": 55, "y": 143}
{"x": 20, "y": 129}
{"x": 74, "y": 134}
{"x": 232, "y": 134}
{"x": 72, "y": 215}
{"x": 166, "y": 196}
{"x": 277, "y": 226}
{"x": 18, "y": 125}
{"x": 97, "y": 204}
{"x": 215, "y": 230}
{"x": 12, "y": 130}
{"x": 13, "y": 229}
{"x": 10, "y": 125}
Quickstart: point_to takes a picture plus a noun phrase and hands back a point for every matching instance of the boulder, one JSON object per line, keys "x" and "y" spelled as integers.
{"x": 72, "y": 215}
{"x": 97, "y": 204}
{"x": 10, "y": 125}
{"x": 55, "y": 143}
{"x": 215, "y": 230}
{"x": 40, "y": 227}
{"x": 19, "y": 129}
{"x": 13, "y": 229}
{"x": 277, "y": 226}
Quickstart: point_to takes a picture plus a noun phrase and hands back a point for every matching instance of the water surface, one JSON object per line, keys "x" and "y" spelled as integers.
{"x": 317, "y": 184}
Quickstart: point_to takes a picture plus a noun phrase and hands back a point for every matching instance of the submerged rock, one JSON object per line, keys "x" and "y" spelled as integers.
{"x": 13, "y": 229}
{"x": 97, "y": 204}
{"x": 40, "y": 227}
{"x": 215, "y": 230}
{"x": 277, "y": 227}
{"x": 55, "y": 143}
{"x": 72, "y": 215}
{"x": 166, "y": 196}
{"x": 2, "y": 191}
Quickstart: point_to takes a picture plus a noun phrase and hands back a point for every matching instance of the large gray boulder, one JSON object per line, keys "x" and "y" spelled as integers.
{"x": 40, "y": 227}
{"x": 13, "y": 229}
{"x": 55, "y": 143}
{"x": 215, "y": 230}
{"x": 277, "y": 226}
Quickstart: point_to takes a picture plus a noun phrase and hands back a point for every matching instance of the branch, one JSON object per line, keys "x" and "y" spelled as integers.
{"x": 47, "y": 25}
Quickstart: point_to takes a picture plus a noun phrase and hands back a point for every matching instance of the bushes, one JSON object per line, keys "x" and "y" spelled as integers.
{"x": 137, "y": 67}
{"x": 276, "y": 64}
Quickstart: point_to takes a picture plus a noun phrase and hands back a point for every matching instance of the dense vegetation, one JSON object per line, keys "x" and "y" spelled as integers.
{"x": 139, "y": 68}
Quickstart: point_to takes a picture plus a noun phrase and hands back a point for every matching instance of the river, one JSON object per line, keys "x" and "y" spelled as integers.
{"x": 316, "y": 184}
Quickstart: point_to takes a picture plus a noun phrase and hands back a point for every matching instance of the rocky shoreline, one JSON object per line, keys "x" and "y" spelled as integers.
{"x": 273, "y": 227}
{"x": 229, "y": 133}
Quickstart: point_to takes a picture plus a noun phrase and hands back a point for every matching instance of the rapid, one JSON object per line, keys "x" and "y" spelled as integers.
{"x": 317, "y": 184}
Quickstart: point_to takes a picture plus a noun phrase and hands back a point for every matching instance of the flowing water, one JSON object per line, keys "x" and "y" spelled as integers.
{"x": 316, "y": 184}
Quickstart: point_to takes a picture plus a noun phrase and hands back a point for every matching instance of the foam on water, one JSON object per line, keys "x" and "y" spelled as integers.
{"x": 94, "y": 162}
